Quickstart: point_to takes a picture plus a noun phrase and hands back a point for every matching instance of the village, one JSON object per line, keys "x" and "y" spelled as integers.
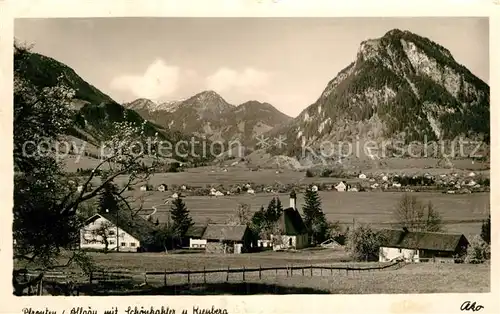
{"x": 108, "y": 232}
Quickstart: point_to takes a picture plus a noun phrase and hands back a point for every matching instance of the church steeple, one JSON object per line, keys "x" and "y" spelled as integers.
{"x": 293, "y": 199}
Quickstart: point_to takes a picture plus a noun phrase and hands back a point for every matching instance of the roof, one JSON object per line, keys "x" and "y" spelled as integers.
{"x": 136, "y": 226}
{"x": 225, "y": 232}
{"x": 435, "y": 241}
{"x": 196, "y": 231}
{"x": 291, "y": 223}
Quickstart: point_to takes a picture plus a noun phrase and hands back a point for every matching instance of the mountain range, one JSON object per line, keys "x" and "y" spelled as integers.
{"x": 400, "y": 86}
{"x": 207, "y": 114}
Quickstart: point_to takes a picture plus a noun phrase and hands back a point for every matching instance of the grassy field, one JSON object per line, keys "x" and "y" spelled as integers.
{"x": 197, "y": 261}
{"x": 410, "y": 278}
{"x": 461, "y": 213}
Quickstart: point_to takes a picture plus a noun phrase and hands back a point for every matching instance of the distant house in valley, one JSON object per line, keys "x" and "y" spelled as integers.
{"x": 421, "y": 246}
{"x": 314, "y": 188}
{"x": 227, "y": 238}
{"x": 293, "y": 232}
{"x": 143, "y": 188}
{"x": 121, "y": 232}
{"x": 341, "y": 187}
{"x": 194, "y": 237}
{"x": 162, "y": 187}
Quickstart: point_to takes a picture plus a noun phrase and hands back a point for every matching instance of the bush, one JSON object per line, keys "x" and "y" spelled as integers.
{"x": 309, "y": 173}
{"x": 363, "y": 243}
{"x": 478, "y": 251}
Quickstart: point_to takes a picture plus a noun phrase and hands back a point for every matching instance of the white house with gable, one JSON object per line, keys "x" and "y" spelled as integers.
{"x": 122, "y": 233}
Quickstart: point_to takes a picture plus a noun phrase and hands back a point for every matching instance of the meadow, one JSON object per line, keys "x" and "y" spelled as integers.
{"x": 461, "y": 213}
{"x": 408, "y": 278}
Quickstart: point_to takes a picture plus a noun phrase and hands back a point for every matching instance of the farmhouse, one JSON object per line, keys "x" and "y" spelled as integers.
{"x": 194, "y": 236}
{"x": 162, "y": 187}
{"x": 293, "y": 233}
{"x": 341, "y": 187}
{"x": 421, "y": 246}
{"x": 227, "y": 239}
{"x": 120, "y": 232}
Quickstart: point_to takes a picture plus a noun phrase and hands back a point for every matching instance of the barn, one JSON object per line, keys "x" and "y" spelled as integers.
{"x": 421, "y": 246}
{"x": 194, "y": 236}
{"x": 227, "y": 238}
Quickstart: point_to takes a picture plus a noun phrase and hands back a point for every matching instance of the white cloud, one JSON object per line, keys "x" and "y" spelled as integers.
{"x": 247, "y": 81}
{"x": 158, "y": 80}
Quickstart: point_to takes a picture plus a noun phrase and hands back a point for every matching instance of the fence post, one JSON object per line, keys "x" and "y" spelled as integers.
{"x": 204, "y": 275}
{"x": 189, "y": 277}
{"x": 321, "y": 271}
{"x": 243, "y": 273}
{"x": 311, "y": 270}
{"x": 287, "y": 269}
{"x": 145, "y": 277}
{"x": 165, "y": 278}
{"x": 260, "y": 272}
{"x": 276, "y": 271}
{"x": 331, "y": 271}
{"x": 302, "y": 270}
{"x": 227, "y": 274}
{"x": 40, "y": 287}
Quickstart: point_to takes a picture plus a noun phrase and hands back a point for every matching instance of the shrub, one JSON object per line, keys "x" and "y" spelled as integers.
{"x": 478, "y": 251}
{"x": 309, "y": 173}
{"x": 363, "y": 243}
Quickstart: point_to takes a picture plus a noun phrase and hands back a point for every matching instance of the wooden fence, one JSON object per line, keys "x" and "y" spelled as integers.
{"x": 165, "y": 276}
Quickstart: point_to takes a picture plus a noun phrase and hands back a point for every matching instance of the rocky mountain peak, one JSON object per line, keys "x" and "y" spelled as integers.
{"x": 399, "y": 86}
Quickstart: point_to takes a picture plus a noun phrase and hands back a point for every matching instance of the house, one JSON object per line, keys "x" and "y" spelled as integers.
{"x": 250, "y": 191}
{"x": 293, "y": 232}
{"x": 175, "y": 195}
{"x": 218, "y": 193}
{"x": 144, "y": 188}
{"x": 362, "y": 176}
{"x": 341, "y": 187}
{"x": 227, "y": 238}
{"x": 421, "y": 246}
{"x": 194, "y": 235}
{"x": 120, "y": 231}
{"x": 162, "y": 187}
{"x": 314, "y": 188}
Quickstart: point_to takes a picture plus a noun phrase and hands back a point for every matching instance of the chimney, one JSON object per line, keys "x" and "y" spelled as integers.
{"x": 293, "y": 200}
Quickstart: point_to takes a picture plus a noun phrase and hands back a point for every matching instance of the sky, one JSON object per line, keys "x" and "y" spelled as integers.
{"x": 286, "y": 62}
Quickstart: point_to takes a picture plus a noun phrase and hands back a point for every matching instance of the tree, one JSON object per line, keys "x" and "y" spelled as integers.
{"x": 478, "y": 251}
{"x": 363, "y": 243}
{"x": 314, "y": 218}
{"x": 101, "y": 235}
{"x": 486, "y": 230}
{"x": 108, "y": 201}
{"x": 410, "y": 213}
{"x": 242, "y": 216}
{"x": 181, "y": 219}
{"x": 46, "y": 204}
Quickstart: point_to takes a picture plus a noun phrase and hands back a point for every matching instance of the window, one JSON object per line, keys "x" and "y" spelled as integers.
{"x": 132, "y": 244}
{"x": 290, "y": 242}
{"x": 112, "y": 242}
{"x": 123, "y": 244}
{"x": 111, "y": 232}
{"x": 400, "y": 250}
